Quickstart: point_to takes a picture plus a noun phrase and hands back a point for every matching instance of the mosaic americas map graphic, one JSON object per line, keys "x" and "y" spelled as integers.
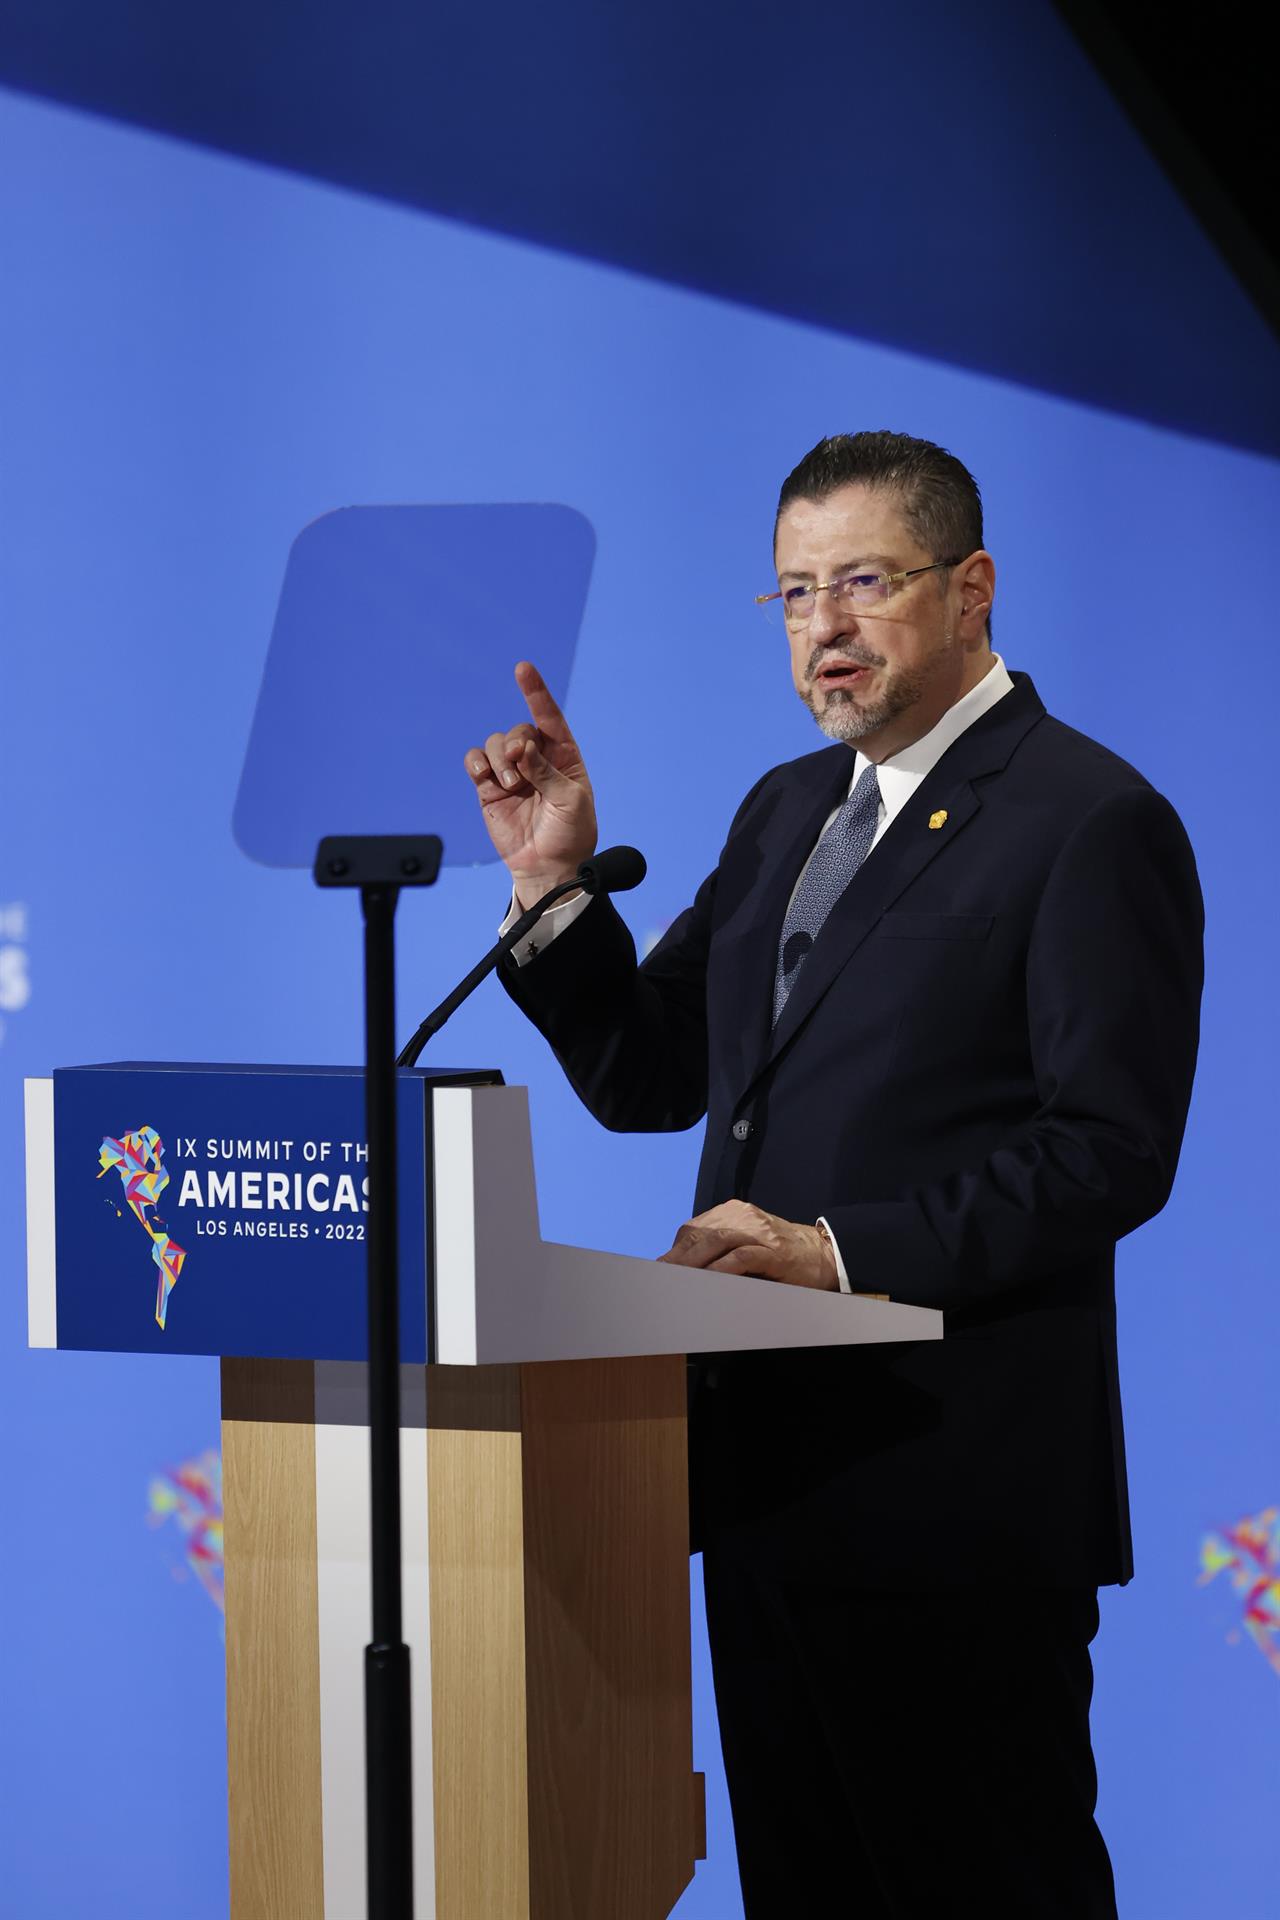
{"x": 138, "y": 1158}
{"x": 191, "y": 1496}
{"x": 1249, "y": 1554}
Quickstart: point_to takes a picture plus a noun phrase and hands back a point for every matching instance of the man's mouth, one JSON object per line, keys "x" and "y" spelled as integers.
{"x": 839, "y": 672}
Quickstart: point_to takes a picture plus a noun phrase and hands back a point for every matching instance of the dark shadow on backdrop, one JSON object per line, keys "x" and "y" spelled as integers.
{"x": 957, "y": 182}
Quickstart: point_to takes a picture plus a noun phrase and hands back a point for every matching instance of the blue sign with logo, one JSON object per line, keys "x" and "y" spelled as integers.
{"x": 224, "y": 1210}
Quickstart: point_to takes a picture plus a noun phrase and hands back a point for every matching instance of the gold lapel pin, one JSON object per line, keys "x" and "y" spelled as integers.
{"x": 938, "y": 819}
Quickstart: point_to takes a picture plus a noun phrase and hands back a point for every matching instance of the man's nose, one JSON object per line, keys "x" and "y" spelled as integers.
{"x": 830, "y": 618}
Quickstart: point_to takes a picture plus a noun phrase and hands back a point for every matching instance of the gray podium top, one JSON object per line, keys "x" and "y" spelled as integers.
{"x": 503, "y": 1293}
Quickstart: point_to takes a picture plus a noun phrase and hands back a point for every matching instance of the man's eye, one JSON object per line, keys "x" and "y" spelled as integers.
{"x": 796, "y": 596}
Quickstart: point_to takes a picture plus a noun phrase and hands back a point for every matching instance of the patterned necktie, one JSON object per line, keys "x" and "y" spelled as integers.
{"x": 836, "y": 858}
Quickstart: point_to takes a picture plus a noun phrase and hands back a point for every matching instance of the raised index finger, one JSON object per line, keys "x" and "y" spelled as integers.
{"x": 546, "y": 715}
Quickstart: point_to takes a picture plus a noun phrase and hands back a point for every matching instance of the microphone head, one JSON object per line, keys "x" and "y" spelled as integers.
{"x": 615, "y": 870}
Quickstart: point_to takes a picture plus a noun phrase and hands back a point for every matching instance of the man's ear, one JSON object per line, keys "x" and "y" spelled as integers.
{"x": 975, "y": 580}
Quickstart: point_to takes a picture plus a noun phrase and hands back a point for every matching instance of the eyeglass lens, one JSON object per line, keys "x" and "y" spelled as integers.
{"x": 851, "y": 590}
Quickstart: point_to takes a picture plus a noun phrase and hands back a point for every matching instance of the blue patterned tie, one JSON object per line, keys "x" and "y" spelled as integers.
{"x": 836, "y": 858}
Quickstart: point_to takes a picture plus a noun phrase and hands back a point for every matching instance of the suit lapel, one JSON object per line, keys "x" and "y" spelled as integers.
{"x": 903, "y": 852}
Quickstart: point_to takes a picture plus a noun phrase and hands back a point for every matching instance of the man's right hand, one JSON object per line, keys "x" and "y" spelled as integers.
{"x": 535, "y": 795}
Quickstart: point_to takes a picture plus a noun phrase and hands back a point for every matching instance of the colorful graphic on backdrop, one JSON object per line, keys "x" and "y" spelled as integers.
{"x": 139, "y": 1160}
{"x": 15, "y": 966}
{"x": 1249, "y": 1553}
{"x": 191, "y": 1496}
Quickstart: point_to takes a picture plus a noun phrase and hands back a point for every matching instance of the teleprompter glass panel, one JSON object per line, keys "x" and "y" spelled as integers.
{"x": 392, "y": 653}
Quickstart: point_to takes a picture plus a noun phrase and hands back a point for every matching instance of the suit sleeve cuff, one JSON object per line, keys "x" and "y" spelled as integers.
{"x": 841, "y": 1273}
{"x": 553, "y": 922}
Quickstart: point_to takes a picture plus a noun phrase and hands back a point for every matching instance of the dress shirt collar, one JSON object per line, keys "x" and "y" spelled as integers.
{"x": 902, "y": 772}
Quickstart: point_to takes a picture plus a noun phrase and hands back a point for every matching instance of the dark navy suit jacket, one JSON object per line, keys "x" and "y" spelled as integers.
{"x": 981, "y": 1080}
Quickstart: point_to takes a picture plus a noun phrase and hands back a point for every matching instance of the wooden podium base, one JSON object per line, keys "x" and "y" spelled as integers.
{"x": 544, "y": 1518}
{"x": 547, "y": 1609}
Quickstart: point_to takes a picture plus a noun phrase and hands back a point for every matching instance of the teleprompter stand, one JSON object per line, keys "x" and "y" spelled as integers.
{"x": 379, "y": 865}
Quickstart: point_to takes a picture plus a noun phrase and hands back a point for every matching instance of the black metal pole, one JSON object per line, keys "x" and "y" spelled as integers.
{"x": 380, "y": 865}
{"x": 388, "y": 1777}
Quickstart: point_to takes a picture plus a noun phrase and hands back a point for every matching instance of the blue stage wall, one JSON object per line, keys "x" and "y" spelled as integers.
{"x": 201, "y": 356}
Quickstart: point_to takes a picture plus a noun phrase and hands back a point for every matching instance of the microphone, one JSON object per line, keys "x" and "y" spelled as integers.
{"x": 615, "y": 870}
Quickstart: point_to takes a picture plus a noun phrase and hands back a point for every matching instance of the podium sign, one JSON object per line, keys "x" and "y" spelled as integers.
{"x": 222, "y": 1210}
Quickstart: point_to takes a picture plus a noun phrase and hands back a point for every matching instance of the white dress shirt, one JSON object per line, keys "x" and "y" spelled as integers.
{"x": 902, "y": 772}
{"x": 898, "y": 777}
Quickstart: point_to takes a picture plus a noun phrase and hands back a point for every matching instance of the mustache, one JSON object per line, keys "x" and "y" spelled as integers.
{"x": 856, "y": 656}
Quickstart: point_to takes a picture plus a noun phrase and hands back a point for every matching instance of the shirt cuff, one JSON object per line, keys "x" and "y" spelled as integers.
{"x": 553, "y": 922}
{"x": 841, "y": 1275}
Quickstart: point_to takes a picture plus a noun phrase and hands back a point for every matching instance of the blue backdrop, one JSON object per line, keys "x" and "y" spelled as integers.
{"x": 203, "y": 355}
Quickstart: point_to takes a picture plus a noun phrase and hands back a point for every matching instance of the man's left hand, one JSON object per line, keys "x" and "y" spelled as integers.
{"x": 739, "y": 1238}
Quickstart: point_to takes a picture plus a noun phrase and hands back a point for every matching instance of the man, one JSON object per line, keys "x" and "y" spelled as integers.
{"x": 939, "y": 1003}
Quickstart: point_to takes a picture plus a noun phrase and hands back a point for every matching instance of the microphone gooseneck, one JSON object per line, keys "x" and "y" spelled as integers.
{"x": 614, "y": 870}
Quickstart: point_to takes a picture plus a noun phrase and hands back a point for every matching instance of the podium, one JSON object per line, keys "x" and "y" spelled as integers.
{"x": 544, "y": 1480}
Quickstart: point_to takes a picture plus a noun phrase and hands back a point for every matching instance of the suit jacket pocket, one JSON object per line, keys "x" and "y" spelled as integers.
{"x": 935, "y": 926}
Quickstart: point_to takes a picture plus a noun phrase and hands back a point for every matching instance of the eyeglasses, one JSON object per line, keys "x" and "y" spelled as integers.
{"x": 863, "y": 591}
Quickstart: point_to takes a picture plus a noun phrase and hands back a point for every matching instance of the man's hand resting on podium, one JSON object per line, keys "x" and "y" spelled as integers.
{"x": 535, "y": 795}
{"x": 738, "y": 1238}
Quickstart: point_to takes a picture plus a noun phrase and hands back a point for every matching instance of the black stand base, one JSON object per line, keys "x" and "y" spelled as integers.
{"x": 388, "y": 1782}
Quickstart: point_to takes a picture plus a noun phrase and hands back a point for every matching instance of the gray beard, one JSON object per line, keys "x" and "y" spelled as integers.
{"x": 842, "y": 718}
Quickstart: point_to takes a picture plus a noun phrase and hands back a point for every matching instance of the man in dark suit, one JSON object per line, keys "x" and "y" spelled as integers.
{"x": 939, "y": 1004}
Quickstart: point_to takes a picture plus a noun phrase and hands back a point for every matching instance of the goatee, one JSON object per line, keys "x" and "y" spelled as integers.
{"x": 842, "y": 716}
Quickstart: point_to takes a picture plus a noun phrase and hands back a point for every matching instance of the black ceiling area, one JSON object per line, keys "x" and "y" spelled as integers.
{"x": 1208, "y": 115}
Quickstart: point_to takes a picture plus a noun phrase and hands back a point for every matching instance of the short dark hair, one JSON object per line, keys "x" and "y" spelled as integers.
{"x": 940, "y": 500}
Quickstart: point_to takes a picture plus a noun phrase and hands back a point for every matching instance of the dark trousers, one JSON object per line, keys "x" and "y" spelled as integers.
{"x": 907, "y": 1754}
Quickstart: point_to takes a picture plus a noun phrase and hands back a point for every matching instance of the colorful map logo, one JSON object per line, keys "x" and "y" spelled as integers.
{"x": 1249, "y": 1554}
{"x": 139, "y": 1160}
{"x": 191, "y": 1496}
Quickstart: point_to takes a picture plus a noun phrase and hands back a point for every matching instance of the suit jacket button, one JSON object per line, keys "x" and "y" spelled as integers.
{"x": 742, "y": 1129}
